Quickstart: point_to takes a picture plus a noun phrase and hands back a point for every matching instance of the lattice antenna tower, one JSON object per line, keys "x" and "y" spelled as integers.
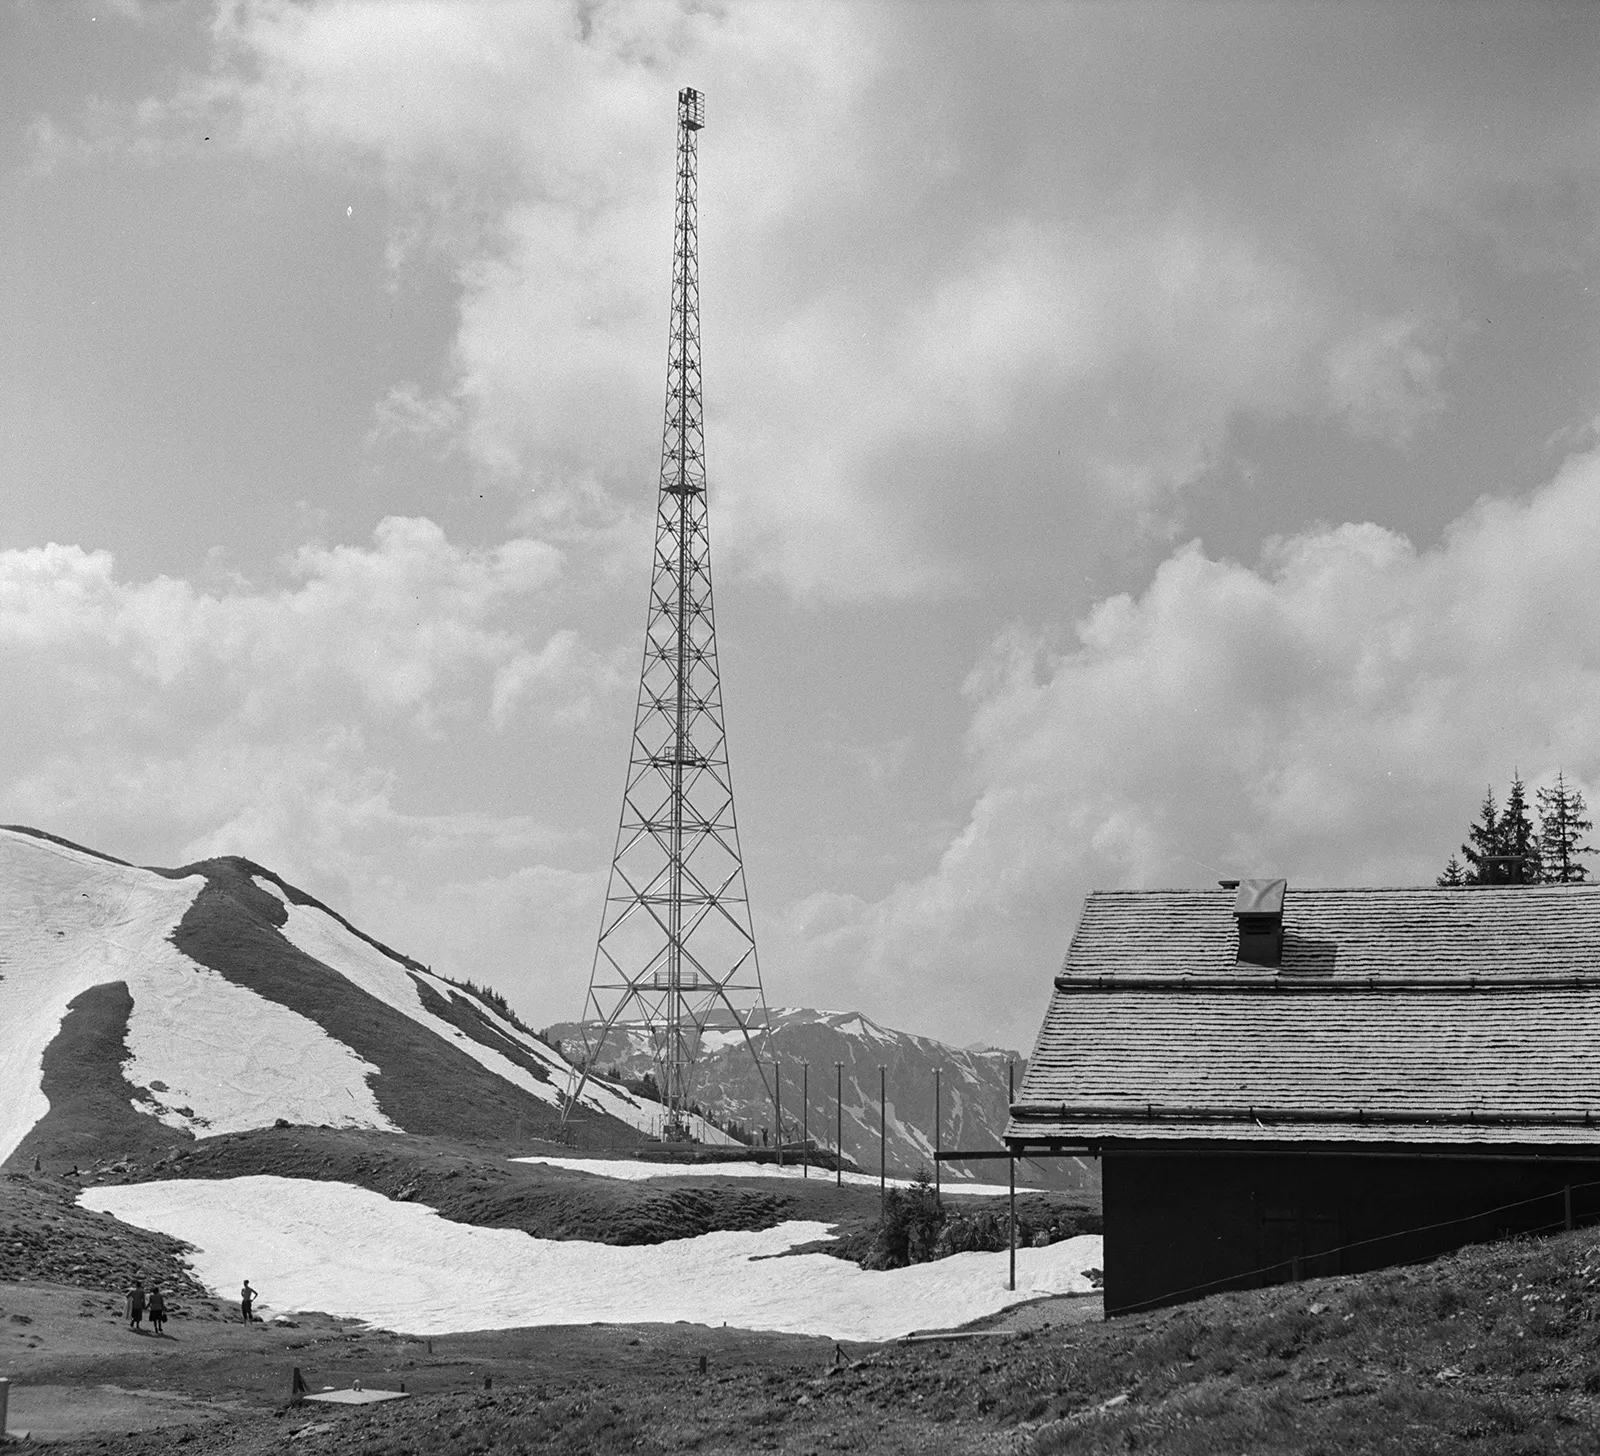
{"x": 676, "y": 953}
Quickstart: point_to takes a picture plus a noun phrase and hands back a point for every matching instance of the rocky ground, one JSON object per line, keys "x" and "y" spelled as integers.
{"x": 213, "y": 1384}
{"x": 46, "y": 1237}
{"x": 1494, "y": 1351}
{"x": 85, "y": 1380}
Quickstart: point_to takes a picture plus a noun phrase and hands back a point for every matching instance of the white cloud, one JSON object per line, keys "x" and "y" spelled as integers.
{"x": 1331, "y": 714}
{"x": 274, "y": 722}
{"x": 877, "y": 319}
{"x": 1383, "y": 380}
{"x": 400, "y": 629}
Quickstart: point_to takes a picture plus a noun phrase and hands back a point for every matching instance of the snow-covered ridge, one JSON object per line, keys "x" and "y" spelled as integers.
{"x": 353, "y": 1253}
{"x": 207, "y": 1054}
{"x": 327, "y": 939}
{"x": 212, "y": 1056}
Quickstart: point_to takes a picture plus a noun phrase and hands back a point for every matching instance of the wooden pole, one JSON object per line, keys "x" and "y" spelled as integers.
{"x": 1567, "y": 1201}
{"x": 937, "y": 1195}
{"x": 805, "y": 1119}
{"x": 883, "y": 1142}
{"x": 777, "y": 1094}
{"x": 1011, "y": 1163}
{"x": 838, "y": 1130}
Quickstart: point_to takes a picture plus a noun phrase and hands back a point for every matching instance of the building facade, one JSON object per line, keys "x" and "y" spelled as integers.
{"x": 1285, "y": 1083}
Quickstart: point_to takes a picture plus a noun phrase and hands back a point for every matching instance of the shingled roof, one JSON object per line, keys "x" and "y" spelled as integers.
{"x": 1396, "y": 1015}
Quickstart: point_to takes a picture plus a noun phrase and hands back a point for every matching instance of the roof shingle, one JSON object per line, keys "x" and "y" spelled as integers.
{"x": 1405, "y": 1015}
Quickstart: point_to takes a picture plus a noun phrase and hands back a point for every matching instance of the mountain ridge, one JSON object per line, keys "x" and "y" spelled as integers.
{"x": 972, "y": 1091}
{"x": 148, "y": 1007}
{"x": 172, "y": 1003}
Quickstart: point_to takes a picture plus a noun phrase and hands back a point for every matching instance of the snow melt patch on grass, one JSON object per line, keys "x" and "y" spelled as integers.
{"x": 353, "y": 1253}
{"x": 70, "y": 921}
{"x": 323, "y": 938}
{"x": 633, "y": 1170}
{"x": 219, "y": 1058}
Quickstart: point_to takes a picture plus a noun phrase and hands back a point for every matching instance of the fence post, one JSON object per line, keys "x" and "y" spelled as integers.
{"x": 1567, "y": 1201}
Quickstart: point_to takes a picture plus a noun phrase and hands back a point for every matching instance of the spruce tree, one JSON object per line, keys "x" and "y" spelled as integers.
{"x": 1518, "y": 837}
{"x": 1483, "y": 867}
{"x": 1562, "y": 824}
{"x": 1452, "y": 875}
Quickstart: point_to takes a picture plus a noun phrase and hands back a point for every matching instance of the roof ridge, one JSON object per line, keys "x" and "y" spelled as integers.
{"x": 1298, "y": 889}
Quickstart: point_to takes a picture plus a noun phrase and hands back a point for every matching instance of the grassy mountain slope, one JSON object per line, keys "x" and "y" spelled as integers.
{"x": 118, "y": 977}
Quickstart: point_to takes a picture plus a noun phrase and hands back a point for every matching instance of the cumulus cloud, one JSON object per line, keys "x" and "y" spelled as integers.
{"x": 397, "y": 629}
{"x": 927, "y": 235}
{"x": 273, "y": 722}
{"x": 990, "y": 293}
{"x": 1331, "y": 713}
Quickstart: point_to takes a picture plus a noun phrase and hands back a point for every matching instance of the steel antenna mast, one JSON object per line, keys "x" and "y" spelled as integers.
{"x": 676, "y": 952}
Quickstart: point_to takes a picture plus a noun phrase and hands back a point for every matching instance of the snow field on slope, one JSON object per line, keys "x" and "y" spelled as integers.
{"x": 633, "y": 1170}
{"x": 324, "y": 938}
{"x": 352, "y": 1253}
{"x": 70, "y": 921}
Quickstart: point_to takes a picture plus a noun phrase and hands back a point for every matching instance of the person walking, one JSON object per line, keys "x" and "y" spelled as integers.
{"x": 247, "y": 1297}
{"x": 156, "y": 1306}
{"x": 136, "y": 1305}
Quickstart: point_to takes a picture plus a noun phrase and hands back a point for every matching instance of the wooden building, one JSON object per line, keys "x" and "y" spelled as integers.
{"x": 1285, "y": 1083}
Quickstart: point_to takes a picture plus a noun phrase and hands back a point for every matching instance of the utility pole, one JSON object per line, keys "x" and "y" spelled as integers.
{"x": 1011, "y": 1201}
{"x": 838, "y": 1133}
{"x": 805, "y": 1119}
{"x": 677, "y": 947}
{"x": 883, "y": 1144}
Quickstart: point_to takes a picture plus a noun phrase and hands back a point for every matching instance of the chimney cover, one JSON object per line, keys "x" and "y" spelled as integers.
{"x": 1258, "y": 907}
{"x": 1260, "y": 897}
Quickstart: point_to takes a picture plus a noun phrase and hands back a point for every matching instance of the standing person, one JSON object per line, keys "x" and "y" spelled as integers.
{"x": 247, "y": 1297}
{"x": 157, "y": 1306}
{"x": 136, "y": 1305}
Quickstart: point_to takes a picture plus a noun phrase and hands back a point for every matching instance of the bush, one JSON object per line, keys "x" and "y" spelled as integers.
{"x": 908, "y": 1232}
{"x": 915, "y": 1229}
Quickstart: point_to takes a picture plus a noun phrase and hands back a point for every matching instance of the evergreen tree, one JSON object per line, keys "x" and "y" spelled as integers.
{"x": 1518, "y": 837}
{"x": 1562, "y": 824}
{"x": 1482, "y": 866}
{"x": 1452, "y": 874}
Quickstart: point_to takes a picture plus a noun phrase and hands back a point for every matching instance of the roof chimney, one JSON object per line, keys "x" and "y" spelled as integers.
{"x": 1258, "y": 907}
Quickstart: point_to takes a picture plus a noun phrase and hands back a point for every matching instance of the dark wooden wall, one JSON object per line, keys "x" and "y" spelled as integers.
{"x": 1181, "y": 1225}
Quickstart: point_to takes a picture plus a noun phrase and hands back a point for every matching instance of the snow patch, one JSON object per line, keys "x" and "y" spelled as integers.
{"x": 70, "y": 921}
{"x": 271, "y": 887}
{"x": 324, "y": 938}
{"x": 355, "y": 1254}
{"x": 228, "y": 1059}
{"x": 386, "y": 979}
{"x": 633, "y": 1170}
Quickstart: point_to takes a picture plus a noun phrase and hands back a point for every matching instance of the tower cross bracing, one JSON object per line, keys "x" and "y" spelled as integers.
{"x": 676, "y": 953}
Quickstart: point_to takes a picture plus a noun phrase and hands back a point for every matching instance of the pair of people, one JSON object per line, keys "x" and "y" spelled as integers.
{"x": 138, "y": 1304}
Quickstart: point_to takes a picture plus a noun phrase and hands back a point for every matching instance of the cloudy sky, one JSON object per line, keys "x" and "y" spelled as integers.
{"x": 1147, "y": 443}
